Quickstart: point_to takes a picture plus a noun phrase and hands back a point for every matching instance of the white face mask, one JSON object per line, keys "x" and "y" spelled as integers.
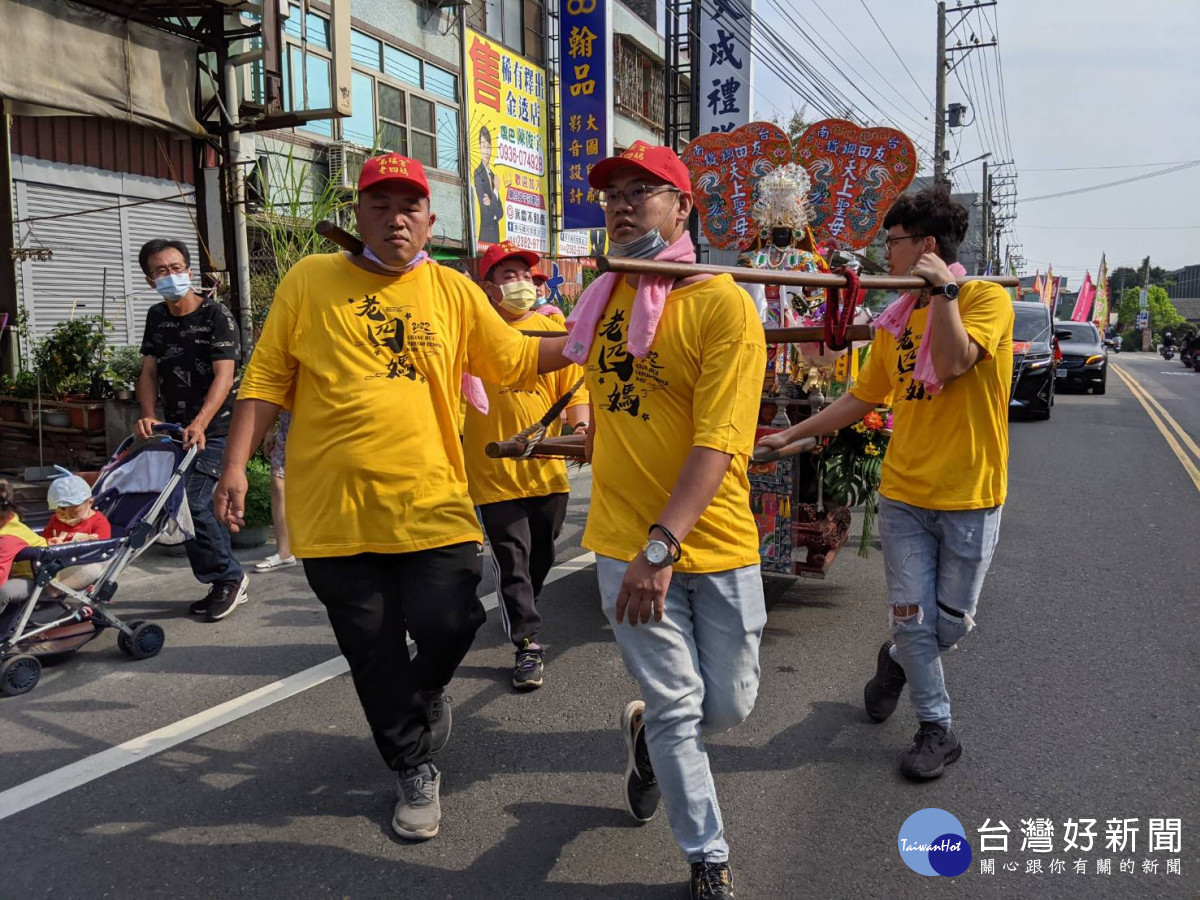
{"x": 518, "y": 296}
{"x": 174, "y": 287}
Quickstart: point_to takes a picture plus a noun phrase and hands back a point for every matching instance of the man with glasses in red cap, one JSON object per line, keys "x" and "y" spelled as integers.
{"x": 367, "y": 351}
{"x": 522, "y": 503}
{"x": 674, "y": 369}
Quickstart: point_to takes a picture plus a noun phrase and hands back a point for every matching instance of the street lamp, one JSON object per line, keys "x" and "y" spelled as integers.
{"x": 968, "y": 162}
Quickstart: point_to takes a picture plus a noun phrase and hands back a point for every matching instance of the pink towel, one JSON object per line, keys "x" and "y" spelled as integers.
{"x": 474, "y": 391}
{"x": 895, "y": 319}
{"x": 648, "y": 302}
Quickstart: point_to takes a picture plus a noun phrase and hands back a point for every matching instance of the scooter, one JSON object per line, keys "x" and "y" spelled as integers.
{"x": 1166, "y": 352}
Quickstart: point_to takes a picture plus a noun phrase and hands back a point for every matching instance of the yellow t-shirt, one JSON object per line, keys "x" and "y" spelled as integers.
{"x": 509, "y": 411}
{"x": 22, "y": 532}
{"x": 371, "y": 368}
{"x": 948, "y": 451}
{"x": 699, "y": 386}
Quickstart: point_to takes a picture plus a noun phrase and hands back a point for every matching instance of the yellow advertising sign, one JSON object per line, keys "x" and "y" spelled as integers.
{"x": 507, "y": 139}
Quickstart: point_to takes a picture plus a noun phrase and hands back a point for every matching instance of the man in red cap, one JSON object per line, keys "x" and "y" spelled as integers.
{"x": 367, "y": 351}
{"x": 674, "y": 368}
{"x": 522, "y": 503}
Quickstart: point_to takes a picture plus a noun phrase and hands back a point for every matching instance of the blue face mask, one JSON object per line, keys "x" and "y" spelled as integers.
{"x": 174, "y": 287}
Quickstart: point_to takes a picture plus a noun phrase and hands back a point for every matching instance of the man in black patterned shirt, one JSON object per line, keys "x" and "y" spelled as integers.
{"x": 190, "y": 356}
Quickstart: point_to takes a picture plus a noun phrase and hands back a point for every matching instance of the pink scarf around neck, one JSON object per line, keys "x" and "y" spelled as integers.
{"x": 895, "y": 319}
{"x": 648, "y": 302}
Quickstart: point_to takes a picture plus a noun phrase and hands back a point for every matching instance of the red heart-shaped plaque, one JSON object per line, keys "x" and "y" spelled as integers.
{"x": 724, "y": 167}
{"x": 857, "y": 173}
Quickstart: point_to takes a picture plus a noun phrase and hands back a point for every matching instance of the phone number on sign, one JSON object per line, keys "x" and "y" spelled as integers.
{"x": 521, "y": 158}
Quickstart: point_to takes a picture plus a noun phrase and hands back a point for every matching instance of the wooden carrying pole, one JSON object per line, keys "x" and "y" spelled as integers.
{"x": 773, "y": 276}
{"x": 572, "y": 447}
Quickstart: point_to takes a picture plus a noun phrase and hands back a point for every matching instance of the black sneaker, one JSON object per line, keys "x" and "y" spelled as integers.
{"x": 200, "y": 607}
{"x": 712, "y": 880}
{"x": 934, "y": 748}
{"x": 439, "y": 714}
{"x": 641, "y": 787}
{"x": 527, "y": 673}
{"x": 882, "y": 692}
{"x": 228, "y": 595}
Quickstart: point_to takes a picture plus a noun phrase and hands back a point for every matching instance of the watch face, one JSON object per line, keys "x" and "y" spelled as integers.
{"x": 657, "y": 553}
{"x": 951, "y": 290}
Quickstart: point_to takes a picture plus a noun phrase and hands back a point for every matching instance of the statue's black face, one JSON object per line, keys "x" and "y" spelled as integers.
{"x": 781, "y": 237}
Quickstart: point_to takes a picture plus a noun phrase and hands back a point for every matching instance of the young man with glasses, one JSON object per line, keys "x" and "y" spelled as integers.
{"x": 190, "y": 357}
{"x": 674, "y": 369}
{"x": 943, "y": 360}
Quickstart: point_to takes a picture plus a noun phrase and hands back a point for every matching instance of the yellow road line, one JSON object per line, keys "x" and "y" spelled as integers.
{"x": 1183, "y": 435}
{"x": 1142, "y": 396}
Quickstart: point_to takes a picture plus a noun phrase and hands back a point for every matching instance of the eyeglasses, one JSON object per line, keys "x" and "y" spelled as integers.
{"x": 177, "y": 269}
{"x": 904, "y": 237}
{"x": 635, "y": 194}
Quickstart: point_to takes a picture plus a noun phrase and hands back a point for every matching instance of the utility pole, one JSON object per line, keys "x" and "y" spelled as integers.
{"x": 939, "y": 127}
{"x": 1144, "y": 306}
{"x": 986, "y": 256}
{"x": 944, "y": 68}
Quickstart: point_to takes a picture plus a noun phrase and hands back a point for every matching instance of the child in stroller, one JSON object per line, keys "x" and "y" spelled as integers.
{"x": 141, "y": 494}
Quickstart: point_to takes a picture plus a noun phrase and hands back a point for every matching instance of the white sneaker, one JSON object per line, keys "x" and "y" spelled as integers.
{"x": 275, "y": 561}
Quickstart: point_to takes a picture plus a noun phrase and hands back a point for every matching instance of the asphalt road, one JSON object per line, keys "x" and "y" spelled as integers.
{"x": 1075, "y": 697}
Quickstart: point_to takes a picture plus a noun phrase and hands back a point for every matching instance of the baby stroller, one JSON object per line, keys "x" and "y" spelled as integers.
{"x": 141, "y": 492}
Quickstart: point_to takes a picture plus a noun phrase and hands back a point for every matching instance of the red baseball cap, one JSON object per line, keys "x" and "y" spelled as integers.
{"x": 661, "y": 162}
{"x": 393, "y": 167}
{"x": 540, "y": 277}
{"x": 498, "y": 253}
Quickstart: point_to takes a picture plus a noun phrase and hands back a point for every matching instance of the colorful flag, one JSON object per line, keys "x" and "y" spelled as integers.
{"x": 1101, "y": 305}
{"x": 1037, "y": 285}
{"x": 1048, "y": 288}
{"x": 1083, "y": 303}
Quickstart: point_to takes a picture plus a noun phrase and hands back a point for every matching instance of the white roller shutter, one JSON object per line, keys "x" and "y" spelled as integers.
{"x": 92, "y": 237}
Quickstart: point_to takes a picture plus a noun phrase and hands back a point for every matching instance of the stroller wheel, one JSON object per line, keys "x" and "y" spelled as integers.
{"x": 144, "y": 640}
{"x": 19, "y": 674}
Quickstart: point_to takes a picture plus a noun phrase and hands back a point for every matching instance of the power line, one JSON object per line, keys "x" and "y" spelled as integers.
{"x": 1177, "y": 162}
{"x": 898, "y": 56}
{"x": 1098, "y": 187}
{"x": 887, "y": 81}
{"x": 1114, "y": 227}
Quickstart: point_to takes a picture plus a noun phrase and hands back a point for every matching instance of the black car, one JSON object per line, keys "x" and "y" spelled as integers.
{"x": 1084, "y": 362}
{"x": 1033, "y": 359}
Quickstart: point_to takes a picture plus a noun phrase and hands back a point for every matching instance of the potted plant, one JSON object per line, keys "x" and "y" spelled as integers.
{"x": 70, "y": 363}
{"x": 124, "y": 367}
{"x": 258, "y": 505}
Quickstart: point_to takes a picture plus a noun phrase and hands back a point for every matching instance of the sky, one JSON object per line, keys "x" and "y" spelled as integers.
{"x": 1087, "y": 83}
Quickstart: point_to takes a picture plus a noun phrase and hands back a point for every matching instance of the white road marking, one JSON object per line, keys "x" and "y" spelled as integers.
{"x": 77, "y": 774}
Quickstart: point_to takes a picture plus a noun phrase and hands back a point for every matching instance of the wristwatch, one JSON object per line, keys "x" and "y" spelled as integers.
{"x": 950, "y": 290}
{"x": 658, "y": 554}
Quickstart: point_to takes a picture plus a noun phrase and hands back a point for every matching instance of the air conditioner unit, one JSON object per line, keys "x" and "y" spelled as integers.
{"x": 345, "y": 161}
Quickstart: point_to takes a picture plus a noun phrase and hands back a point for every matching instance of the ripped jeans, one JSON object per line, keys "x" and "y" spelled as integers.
{"x": 936, "y": 561}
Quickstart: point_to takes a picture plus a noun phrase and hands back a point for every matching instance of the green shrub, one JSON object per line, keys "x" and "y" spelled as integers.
{"x": 258, "y": 492}
{"x": 124, "y": 366}
{"x": 1131, "y": 340}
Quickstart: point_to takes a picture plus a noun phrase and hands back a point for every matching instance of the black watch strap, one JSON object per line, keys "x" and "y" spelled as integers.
{"x": 672, "y": 541}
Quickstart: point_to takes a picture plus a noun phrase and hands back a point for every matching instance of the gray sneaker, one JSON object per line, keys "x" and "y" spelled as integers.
{"x": 419, "y": 808}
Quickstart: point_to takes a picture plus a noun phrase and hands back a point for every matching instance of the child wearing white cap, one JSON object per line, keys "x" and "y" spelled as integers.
{"x": 75, "y": 519}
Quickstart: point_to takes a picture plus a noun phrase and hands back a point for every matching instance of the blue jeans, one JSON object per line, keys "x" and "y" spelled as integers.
{"x": 698, "y": 671}
{"x": 210, "y": 551}
{"x": 936, "y": 561}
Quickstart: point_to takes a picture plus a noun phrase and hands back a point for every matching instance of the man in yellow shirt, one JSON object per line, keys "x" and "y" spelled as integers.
{"x": 367, "y": 352}
{"x": 522, "y": 503}
{"x": 674, "y": 369}
{"x": 947, "y": 371}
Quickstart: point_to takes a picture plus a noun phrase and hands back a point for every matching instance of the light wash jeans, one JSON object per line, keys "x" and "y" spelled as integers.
{"x": 936, "y": 560}
{"x": 698, "y": 671}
